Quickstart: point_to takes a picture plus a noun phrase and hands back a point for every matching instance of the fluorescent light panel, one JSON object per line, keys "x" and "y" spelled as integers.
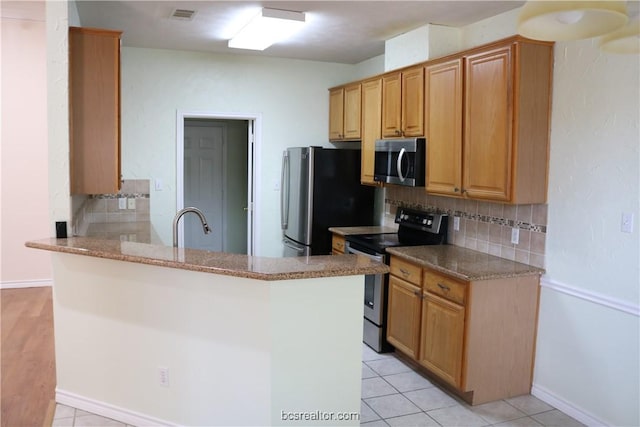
{"x": 266, "y": 28}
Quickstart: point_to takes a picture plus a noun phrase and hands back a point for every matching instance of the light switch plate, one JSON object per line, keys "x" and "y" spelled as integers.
{"x": 626, "y": 225}
{"x": 122, "y": 203}
{"x": 456, "y": 223}
{"x": 515, "y": 235}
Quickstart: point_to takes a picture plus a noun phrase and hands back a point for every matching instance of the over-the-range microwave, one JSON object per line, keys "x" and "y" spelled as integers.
{"x": 400, "y": 161}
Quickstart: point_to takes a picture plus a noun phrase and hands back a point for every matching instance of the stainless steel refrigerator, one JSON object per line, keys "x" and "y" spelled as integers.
{"x": 320, "y": 189}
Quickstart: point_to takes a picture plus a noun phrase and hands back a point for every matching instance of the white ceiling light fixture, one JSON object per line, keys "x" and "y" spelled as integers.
{"x": 570, "y": 20}
{"x": 266, "y": 28}
{"x": 624, "y": 40}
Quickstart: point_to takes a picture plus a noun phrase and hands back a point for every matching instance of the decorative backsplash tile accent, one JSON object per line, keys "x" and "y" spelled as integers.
{"x": 484, "y": 226}
{"x": 105, "y": 208}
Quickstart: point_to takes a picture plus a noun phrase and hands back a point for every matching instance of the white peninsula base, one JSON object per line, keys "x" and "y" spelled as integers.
{"x": 237, "y": 351}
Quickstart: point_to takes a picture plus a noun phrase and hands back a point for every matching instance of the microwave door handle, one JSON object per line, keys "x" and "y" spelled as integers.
{"x": 284, "y": 192}
{"x": 399, "y": 165}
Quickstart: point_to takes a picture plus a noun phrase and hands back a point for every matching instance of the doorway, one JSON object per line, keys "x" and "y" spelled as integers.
{"x": 215, "y": 158}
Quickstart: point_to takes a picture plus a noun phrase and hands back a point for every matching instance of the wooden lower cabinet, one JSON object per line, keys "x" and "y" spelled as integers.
{"x": 476, "y": 337}
{"x": 442, "y": 337}
{"x": 337, "y": 244}
{"x": 403, "y": 318}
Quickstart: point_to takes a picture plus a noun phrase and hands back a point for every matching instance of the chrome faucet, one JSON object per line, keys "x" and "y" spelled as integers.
{"x": 181, "y": 212}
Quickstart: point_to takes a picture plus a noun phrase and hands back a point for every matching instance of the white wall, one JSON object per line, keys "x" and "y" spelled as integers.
{"x": 588, "y": 336}
{"x": 25, "y": 192}
{"x": 291, "y": 97}
{"x": 594, "y": 177}
{"x": 58, "y": 111}
{"x": 238, "y": 351}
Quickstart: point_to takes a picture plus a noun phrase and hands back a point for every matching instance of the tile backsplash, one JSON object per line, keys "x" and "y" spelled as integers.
{"x": 105, "y": 208}
{"x": 484, "y": 226}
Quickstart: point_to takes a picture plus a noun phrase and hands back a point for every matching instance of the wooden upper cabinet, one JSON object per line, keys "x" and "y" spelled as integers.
{"x": 94, "y": 91}
{"x": 488, "y": 120}
{"x": 336, "y": 113}
{"x": 506, "y": 116}
{"x": 345, "y": 113}
{"x": 403, "y": 103}
{"x": 392, "y": 105}
{"x": 371, "y": 126}
{"x": 443, "y": 123}
{"x": 413, "y": 102}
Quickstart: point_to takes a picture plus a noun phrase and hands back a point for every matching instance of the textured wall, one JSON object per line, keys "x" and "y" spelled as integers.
{"x": 588, "y": 346}
{"x": 290, "y": 96}
{"x": 25, "y": 200}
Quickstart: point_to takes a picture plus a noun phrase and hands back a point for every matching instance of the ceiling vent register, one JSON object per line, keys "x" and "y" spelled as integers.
{"x": 183, "y": 14}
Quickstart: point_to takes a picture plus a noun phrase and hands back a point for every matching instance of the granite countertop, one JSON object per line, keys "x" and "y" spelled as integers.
{"x": 139, "y": 231}
{"x": 372, "y": 229}
{"x": 261, "y": 268}
{"x": 462, "y": 263}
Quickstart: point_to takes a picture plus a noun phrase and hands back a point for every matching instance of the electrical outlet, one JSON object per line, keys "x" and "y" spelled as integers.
{"x": 122, "y": 203}
{"x": 627, "y": 222}
{"x": 456, "y": 223}
{"x": 163, "y": 372}
{"x": 131, "y": 203}
{"x": 515, "y": 235}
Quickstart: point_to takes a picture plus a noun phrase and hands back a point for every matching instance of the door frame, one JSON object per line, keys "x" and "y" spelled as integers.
{"x": 254, "y": 137}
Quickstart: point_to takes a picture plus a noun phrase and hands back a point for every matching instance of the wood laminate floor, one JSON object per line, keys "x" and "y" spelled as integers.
{"x": 28, "y": 362}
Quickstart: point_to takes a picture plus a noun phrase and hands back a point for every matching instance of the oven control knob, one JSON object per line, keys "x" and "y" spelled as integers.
{"x": 424, "y": 221}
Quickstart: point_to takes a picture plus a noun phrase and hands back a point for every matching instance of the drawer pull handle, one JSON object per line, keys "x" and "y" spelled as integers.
{"x": 404, "y": 272}
{"x": 444, "y": 287}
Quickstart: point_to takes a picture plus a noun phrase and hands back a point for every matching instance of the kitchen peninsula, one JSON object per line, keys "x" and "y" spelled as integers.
{"x": 152, "y": 334}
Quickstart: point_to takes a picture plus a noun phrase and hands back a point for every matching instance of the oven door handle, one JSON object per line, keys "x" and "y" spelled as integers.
{"x": 379, "y": 258}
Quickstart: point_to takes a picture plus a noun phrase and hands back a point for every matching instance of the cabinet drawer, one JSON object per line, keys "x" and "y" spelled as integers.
{"x": 406, "y": 271}
{"x": 337, "y": 244}
{"x": 445, "y": 287}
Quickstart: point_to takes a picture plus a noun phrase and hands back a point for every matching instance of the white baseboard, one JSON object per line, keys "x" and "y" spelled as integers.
{"x": 573, "y": 411}
{"x": 107, "y": 410}
{"x": 17, "y": 284}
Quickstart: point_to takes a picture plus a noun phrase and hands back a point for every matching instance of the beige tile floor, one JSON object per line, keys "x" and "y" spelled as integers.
{"x": 395, "y": 395}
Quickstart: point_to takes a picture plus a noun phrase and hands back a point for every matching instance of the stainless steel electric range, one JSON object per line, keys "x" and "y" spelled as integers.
{"x": 415, "y": 228}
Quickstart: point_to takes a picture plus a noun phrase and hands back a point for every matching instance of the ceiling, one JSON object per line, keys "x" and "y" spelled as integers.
{"x": 336, "y": 31}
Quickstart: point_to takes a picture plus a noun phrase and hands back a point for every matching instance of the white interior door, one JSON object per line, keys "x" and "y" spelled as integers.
{"x": 204, "y": 183}
{"x": 223, "y": 177}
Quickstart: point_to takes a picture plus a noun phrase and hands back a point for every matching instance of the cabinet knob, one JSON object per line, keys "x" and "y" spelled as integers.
{"x": 456, "y": 189}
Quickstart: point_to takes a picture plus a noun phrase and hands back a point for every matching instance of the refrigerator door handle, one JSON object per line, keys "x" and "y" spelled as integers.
{"x": 284, "y": 192}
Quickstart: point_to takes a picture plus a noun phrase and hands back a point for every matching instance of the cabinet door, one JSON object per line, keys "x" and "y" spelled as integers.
{"x": 336, "y": 113}
{"x": 441, "y": 338}
{"x": 94, "y": 92}
{"x": 352, "y": 111}
{"x": 443, "y": 105}
{"x": 488, "y": 125}
{"x": 392, "y": 105}
{"x": 371, "y": 125}
{"x": 337, "y": 244}
{"x": 413, "y": 102}
{"x": 403, "y": 316}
